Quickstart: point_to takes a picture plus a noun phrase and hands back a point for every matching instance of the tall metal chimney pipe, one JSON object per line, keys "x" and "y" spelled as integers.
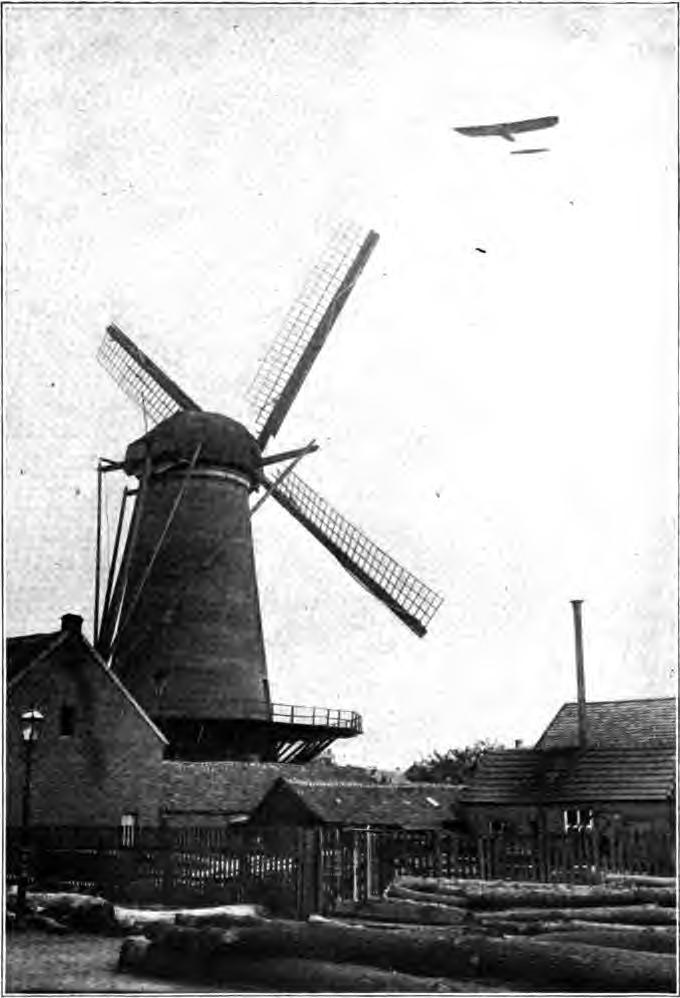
{"x": 580, "y": 675}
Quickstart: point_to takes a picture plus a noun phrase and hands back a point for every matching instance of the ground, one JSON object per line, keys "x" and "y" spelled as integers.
{"x": 36, "y": 963}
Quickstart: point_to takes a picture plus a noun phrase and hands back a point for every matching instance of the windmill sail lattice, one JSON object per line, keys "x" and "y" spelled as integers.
{"x": 409, "y": 598}
{"x": 142, "y": 381}
{"x": 284, "y": 368}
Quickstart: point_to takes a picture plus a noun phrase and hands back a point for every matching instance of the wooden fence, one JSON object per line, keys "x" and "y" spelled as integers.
{"x": 295, "y": 871}
{"x": 173, "y": 866}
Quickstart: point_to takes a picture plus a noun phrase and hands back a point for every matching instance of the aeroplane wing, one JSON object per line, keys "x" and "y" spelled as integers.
{"x": 527, "y": 152}
{"x": 505, "y": 130}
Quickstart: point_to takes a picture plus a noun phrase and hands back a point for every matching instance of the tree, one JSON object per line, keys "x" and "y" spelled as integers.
{"x": 455, "y": 766}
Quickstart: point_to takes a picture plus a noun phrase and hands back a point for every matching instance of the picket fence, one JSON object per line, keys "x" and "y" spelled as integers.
{"x": 299, "y": 870}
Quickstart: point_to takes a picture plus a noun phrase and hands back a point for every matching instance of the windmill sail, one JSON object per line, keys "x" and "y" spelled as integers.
{"x": 287, "y": 363}
{"x": 141, "y": 380}
{"x": 411, "y": 600}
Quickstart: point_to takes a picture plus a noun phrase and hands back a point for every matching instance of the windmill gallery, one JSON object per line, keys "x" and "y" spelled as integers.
{"x": 167, "y": 711}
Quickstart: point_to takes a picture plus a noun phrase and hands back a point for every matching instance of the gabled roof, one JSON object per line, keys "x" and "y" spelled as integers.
{"x": 615, "y": 722}
{"x": 31, "y": 651}
{"x": 21, "y": 651}
{"x": 397, "y": 805}
{"x": 530, "y": 776}
{"x": 232, "y": 787}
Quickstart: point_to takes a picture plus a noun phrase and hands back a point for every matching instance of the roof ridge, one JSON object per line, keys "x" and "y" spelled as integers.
{"x": 59, "y": 639}
{"x": 370, "y": 783}
{"x": 601, "y": 703}
{"x": 122, "y": 687}
{"x": 32, "y": 637}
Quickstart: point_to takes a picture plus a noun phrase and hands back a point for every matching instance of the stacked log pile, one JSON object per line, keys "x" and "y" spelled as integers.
{"x": 425, "y": 935}
{"x": 436, "y": 935}
{"x": 618, "y": 923}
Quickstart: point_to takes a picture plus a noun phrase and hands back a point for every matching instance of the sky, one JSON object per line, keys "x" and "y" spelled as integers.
{"x": 504, "y": 422}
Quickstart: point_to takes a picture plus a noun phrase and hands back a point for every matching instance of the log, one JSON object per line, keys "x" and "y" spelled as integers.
{"x": 224, "y": 917}
{"x": 403, "y": 912}
{"x": 140, "y": 955}
{"x": 134, "y": 920}
{"x": 398, "y": 892}
{"x": 47, "y": 924}
{"x": 643, "y": 914}
{"x": 649, "y": 939}
{"x": 80, "y": 911}
{"x": 645, "y": 879}
{"x": 500, "y": 894}
{"x": 443, "y": 952}
{"x": 133, "y": 953}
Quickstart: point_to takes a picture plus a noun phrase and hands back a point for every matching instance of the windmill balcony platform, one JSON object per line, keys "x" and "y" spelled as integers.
{"x": 284, "y": 713}
{"x": 256, "y": 729}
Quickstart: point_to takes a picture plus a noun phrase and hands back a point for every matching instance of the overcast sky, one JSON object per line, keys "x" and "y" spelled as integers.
{"x": 503, "y": 422}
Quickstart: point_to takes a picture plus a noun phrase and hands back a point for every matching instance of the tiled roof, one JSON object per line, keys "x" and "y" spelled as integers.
{"x": 21, "y": 651}
{"x": 614, "y": 722}
{"x": 231, "y": 787}
{"x": 530, "y": 776}
{"x": 398, "y": 805}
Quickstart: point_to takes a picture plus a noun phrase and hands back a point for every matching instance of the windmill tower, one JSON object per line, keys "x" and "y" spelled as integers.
{"x": 180, "y": 620}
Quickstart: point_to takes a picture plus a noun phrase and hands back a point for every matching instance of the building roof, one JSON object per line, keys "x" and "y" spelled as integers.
{"x": 531, "y": 776}
{"x": 21, "y": 651}
{"x": 614, "y": 723}
{"x": 398, "y": 805}
{"x": 236, "y": 787}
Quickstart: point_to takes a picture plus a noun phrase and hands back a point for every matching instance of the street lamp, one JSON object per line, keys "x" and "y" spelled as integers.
{"x": 31, "y": 722}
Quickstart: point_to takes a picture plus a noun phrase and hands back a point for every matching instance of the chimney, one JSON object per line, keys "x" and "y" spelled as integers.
{"x": 72, "y": 623}
{"x": 580, "y": 676}
{"x": 518, "y": 743}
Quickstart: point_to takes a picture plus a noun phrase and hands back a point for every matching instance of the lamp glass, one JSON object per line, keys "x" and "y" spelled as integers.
{"x": 31, "y": 720}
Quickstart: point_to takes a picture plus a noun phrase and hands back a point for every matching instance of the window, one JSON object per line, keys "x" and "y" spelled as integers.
{"x": 497, "y": 827}
{"x": 67, "y": 720}
{"x": 128, "y": 829}
{"x": 578, "y": 818}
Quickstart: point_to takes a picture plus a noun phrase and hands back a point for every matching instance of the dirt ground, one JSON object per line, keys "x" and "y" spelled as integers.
{"x": 36, "y": 963}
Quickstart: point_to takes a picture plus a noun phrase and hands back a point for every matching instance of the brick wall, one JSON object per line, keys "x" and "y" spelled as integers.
{"x": 652, "y": 815}
{"x": 110, "y": 765}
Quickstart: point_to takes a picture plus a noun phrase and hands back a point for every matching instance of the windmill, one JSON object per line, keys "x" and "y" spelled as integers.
{"x": 180, "y": 618}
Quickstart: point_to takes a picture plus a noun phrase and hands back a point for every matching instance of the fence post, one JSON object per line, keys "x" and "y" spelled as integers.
{"x": 165, "y": 856}
{"x": 480, "y": 858}
{"x": 320, "y": 875}
{"x": 437, "y": 849}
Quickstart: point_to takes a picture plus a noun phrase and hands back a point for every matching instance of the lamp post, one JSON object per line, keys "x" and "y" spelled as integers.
{"x": 31, "y": 722}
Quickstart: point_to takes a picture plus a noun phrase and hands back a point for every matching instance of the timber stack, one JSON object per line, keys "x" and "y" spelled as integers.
{"x": 438, "y": 935}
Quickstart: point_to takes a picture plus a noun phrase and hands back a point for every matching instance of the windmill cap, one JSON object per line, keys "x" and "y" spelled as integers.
{"x": 225, "y": 443}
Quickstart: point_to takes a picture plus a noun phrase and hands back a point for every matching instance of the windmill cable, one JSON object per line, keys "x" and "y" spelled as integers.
{"x": 159, "y": 544}
{"x": 114, "y": 557}
{"x": 98, "y": 554}
{"x": 121, "y": 580}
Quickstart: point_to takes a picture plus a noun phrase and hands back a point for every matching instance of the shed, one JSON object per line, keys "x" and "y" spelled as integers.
{"x": 408, "y": 806}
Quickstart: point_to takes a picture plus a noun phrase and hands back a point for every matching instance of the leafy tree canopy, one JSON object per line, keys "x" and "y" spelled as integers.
{"x": 455, "y": 766}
